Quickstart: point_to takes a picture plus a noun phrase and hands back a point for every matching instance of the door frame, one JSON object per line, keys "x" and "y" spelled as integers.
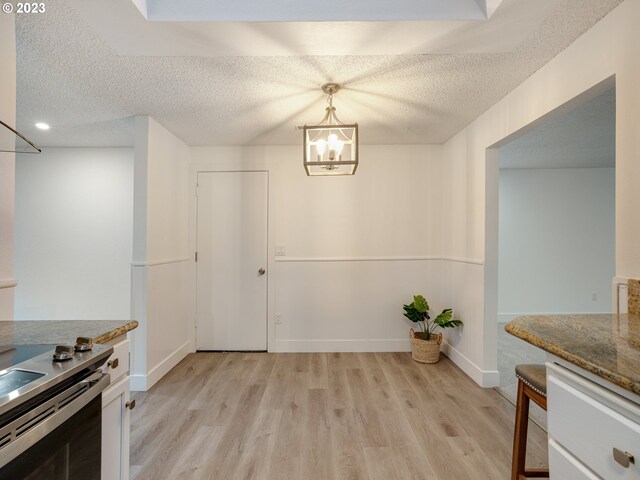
{"x": 217, "y": 180}
{"x": 228, "y": 165}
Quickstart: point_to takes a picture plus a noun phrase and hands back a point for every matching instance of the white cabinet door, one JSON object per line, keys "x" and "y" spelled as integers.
{"x": 115, "y": 431}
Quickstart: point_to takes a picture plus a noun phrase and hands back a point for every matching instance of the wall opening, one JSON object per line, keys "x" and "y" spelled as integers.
{"x": 550, "y": 239}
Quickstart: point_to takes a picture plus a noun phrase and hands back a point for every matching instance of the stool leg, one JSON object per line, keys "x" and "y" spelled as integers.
{"x": 520, "y": 434}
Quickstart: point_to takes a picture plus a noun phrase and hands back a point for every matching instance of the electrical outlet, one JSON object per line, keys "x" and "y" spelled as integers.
{"x": 278, "y": 318}
{"x": 594, "y": 297}
{"x": 281, "y": 250}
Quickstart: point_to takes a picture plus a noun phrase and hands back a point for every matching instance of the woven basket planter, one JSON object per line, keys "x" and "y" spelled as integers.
{"x": 425, "y": 351}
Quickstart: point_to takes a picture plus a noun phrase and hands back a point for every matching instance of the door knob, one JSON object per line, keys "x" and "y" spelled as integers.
{"x": 261, "y": 271}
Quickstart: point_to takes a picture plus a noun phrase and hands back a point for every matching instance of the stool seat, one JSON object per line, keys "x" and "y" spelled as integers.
{"x": 534, "y": 376}
{"x": 532, "y": 385}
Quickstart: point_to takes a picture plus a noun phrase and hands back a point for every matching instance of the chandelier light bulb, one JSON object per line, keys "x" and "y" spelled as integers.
{"x": 332, "y": 141}
{"x": 320, "y": 146}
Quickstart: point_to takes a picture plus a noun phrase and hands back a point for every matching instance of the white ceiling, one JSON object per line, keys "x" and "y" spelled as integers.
{"x": 71, "y": 76}
{"x": 583, "y": 138}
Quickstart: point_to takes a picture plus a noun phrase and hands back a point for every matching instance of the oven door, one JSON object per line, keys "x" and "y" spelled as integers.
{"x": 59, "y": 439}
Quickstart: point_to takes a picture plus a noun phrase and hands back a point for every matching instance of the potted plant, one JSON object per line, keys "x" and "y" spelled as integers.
{"x": 425, "y": 345}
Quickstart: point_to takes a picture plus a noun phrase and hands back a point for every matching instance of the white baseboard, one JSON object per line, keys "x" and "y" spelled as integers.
{"x": 142, "y": 383}
{"x": 484, "y": 378}
{"x": 304, "y": 346}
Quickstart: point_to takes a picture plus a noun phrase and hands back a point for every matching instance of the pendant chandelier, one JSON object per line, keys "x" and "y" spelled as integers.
{"x": 330, "y": 147}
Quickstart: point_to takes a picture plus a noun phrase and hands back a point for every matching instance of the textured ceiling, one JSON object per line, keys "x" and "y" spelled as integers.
{"x": 69, "y": 77}
{"x": 124, "y": 28}
{"x": 584, "y": 137}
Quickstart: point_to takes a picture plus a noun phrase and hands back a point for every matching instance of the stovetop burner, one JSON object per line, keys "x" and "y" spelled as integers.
{"x": 11, "y": 355}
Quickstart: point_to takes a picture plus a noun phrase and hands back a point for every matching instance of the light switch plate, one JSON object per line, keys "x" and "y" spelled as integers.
{"x": 281, "y": 250}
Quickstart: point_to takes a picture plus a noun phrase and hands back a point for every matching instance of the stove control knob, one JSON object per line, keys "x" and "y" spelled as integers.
{"x": 63, "y": 353}
{"x": 83, "y": 344}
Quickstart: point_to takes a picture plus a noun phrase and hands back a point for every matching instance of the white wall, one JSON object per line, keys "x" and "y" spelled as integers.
{"x": 358, "y": 247}
{"x": 557, "y": 236}
{"x": 161, "y": 266}
{"x": 73, "y": 233}
{"x": 390, "y": 207}
{"x": 609, "y": 49}
{"x": 7, "y": 163}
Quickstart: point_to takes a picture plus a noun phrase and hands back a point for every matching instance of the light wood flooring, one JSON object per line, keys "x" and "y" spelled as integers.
{"x": 377, "y": 416}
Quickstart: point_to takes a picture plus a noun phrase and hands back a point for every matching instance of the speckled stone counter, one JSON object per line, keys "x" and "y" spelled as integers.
{"x": 605, "y": 345}
{"x": 62, "y": 331}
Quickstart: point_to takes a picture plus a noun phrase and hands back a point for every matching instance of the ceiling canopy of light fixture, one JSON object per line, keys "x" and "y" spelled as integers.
{"x": 330, "y": 147}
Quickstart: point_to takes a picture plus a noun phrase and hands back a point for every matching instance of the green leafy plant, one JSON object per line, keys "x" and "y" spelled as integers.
{"x": 418, "y": 312}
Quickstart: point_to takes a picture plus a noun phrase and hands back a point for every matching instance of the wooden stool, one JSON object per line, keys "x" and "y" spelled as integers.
{"x": 532, "y": 385}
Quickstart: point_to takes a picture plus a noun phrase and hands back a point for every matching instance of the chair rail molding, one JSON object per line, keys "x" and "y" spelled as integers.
{"x": 410, "y": 258}
{"x": 357, "y": 259}
{"x": 160, "y": 261}
{"x": 471, "y": 261}
{"x": 8, "y": 283}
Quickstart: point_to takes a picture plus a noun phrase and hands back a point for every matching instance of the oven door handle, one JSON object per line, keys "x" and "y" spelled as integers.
{"x": 25, "y": 434}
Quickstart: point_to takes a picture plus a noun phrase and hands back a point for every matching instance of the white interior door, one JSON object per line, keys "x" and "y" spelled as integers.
{"x": 232, "y": 261}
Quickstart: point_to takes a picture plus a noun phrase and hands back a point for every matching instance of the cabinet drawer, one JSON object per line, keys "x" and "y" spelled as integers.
{"x": 580, "y": 422}
{"x": 563, "y": 466}
{"x": 118, "y": 363}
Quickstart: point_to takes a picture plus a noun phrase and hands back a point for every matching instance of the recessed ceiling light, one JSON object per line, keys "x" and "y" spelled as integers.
{"x": 42, "y": 126}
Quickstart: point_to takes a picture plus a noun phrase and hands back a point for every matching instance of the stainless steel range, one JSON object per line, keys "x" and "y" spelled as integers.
{"x": 50, "y": 410}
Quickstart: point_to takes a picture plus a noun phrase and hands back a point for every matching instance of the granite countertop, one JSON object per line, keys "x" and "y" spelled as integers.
{"x": 62, "y": 331}
{"x": 606, "y": 345}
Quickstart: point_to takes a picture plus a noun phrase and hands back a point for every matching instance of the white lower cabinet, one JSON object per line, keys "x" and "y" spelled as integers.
{"x": 115, "y": 430}
{"x": 594, "y": 433}
{"x": 116, "y": 412}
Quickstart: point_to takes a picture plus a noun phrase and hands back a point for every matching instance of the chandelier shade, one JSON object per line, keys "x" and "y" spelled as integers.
{"x": 330, "y": 147}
